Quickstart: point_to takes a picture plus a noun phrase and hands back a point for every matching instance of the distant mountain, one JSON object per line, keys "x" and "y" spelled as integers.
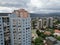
{"x": 45, "y": 15}
{"x": 37, "y": 15}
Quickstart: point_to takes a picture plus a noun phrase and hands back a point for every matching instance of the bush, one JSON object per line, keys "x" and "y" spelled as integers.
{"x": 38, "y": 41}
{"x": 58, "y": 38}
{"x": 40, "y": 34}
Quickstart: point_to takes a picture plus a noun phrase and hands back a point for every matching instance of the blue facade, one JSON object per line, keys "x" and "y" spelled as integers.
{"x": 15, "y": 30}
{"x": 22, "y": 28}
{"x": 1, "y": 32}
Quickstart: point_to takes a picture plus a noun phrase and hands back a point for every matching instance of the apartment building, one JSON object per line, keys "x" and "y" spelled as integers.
{"x": 49, "y": 22}
{"x": 4, "y": 29}
{"x": 15, "y": 28}
{"x": 52, "y": 41}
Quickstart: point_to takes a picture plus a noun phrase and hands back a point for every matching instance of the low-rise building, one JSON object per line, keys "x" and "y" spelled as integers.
{"x": 57, "y": 32}
{"x": 52, "y": 41}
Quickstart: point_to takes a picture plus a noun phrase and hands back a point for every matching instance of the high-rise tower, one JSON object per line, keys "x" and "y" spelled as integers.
{"x": 16, "y": 28}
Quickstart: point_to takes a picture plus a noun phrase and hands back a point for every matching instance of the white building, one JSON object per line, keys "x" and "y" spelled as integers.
{"x": 19, "y": 28}
{"x": 40, "y": 23}
{"x": 49, "y": 22}
{"x": 20, "y": 25}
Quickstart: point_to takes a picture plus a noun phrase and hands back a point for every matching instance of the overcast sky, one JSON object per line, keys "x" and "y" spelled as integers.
{"x": 34, "y": 6}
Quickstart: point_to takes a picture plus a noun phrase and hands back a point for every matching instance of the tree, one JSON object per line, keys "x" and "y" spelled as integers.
{"x": 58, "y": 38}
{"x": 38, "y": 41}
{"x": 40, "y": 34}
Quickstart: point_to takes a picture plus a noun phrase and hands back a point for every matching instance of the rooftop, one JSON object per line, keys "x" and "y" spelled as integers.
{"x": 57, "y": 31}
{"x": 4, "y": 14}
{"x": 53, "y": 39}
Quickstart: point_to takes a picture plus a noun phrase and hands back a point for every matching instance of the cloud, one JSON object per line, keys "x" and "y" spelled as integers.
{"x": 35, "y": 3}
{"x": 44, "y": 5}
{"x": 14, "y": 3}
{"x": 7, "y": 9}
{"x": 30, "y": 5}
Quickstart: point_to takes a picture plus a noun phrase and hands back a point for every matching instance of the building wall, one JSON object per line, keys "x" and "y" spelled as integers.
{"x": 6, "y": 29}
{"x": 49, "y": 22}
{"x": 15, "y": 28}
{"x": 20, "y": 29}
{"x": 1, "y": 32}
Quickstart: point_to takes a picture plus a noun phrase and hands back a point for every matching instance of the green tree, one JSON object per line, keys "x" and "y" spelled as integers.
{"x": 58, "y": 38}
{"x": 38, "y": 41}
{"x": 40, "y": 34}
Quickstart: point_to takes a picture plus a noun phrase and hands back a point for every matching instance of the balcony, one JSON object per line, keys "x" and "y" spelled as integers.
{"x": 6, "y": 24}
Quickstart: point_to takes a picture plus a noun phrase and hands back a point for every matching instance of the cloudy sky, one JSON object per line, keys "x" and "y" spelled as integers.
{"x": 34, "y": 6}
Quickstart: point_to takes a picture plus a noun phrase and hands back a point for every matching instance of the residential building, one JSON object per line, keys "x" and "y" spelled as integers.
{"x": 15, "y": 28}
{"x": 52, "y": 41}
{"x": 56, "y": 32}
{"x": 40, "y": 23}
{"x": 49, "y": 22}
{"x": 4, "y": 29}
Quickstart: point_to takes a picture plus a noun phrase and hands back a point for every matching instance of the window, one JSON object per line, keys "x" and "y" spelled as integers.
{"x": 13, "y": 29}
{"x": 14, "y": 32}
{"x": 23, "y": 31}
{"x": 18, "y": 22}
{"x": 0, "y": 18}
{"x": 0, "y": 24}
{"x": 27, "y": 28}
{"x": 20, "y": 32}
{"x": 1, "y": 43}
{"x": 7, "y": 19}
{"x": 0, "y": 31}
{"x": 26, "y": 22}
{"x": 19, "y": 38}
{"x": 26, "y": 31}
{"x": 19, "y": 26}
{"x": 14, "y": 25}
{"x": 0, "y": 21}
{"x": 23, "y": 26}
{"x": 0, "y": 28}
{"x": 19, "y": 44}
{"x": 1, "y": 40}
{"x": 1, "y": 34}
{"x": 14, "y": 37}
{"x": 23, "y": 40}
{"x": 23, "y": 19}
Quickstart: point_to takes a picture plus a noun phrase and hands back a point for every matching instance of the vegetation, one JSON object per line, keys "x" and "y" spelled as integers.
{"x": 58, "y": 22}
{"x": 58, "y": 38}
{"x": 42, "y": 35}
{"x": 38, "y": 41}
